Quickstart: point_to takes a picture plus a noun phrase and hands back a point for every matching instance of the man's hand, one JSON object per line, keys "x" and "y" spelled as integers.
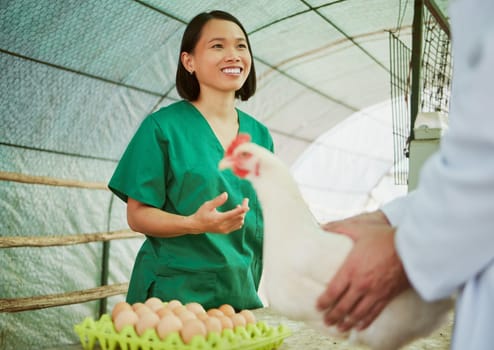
{"x": 345, "y": 226}
{"x": 371, "y": 276}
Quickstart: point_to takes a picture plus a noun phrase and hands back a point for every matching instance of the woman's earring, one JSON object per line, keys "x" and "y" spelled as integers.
{"x": 191, "y": 72}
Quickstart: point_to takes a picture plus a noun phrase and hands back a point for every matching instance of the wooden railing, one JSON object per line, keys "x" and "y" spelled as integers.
{"x": 52, "y": 300}
{"x": 50, "y": 241}
{"x": 50, "y": 181}
{"x": 73, "y": 297}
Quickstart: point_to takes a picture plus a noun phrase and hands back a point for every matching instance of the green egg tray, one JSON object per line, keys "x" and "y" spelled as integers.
{"x": 257, "y": 336}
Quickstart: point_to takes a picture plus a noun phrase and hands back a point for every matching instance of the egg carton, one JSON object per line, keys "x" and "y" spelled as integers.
{"x": 258, "y": 336}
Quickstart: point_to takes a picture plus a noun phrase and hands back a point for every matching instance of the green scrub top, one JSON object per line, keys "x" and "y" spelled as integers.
{"x": 171, "y": 163}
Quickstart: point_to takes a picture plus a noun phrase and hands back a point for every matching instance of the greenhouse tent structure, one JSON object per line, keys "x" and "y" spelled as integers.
{"x": 77, "y": 79}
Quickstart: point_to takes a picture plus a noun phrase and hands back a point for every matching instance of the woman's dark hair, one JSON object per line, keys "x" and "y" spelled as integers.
{"x": 187, "y": 84}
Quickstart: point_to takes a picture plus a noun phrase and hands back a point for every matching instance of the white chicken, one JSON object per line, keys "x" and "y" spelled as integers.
{"x": 300, "y": 258}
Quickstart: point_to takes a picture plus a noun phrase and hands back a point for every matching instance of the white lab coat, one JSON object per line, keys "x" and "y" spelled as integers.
{"x": 445, "y": 229}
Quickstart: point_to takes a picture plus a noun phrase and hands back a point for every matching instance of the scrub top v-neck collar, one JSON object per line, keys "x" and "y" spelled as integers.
{"x": 209, "y": 127}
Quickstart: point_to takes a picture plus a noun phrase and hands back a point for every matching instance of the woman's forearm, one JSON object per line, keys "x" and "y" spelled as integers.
{"x": 156, "y": 222}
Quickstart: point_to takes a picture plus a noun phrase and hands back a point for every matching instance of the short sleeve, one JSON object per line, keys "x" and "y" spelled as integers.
{"x": 141, "y": 172}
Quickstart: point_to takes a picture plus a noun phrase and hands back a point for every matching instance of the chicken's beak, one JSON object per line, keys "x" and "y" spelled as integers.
{"x": 225, "y": 163}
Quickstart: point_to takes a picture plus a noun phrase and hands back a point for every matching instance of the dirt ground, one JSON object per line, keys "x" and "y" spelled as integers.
{"x": 304, "y": 338}
{"x": 439, "y": 340}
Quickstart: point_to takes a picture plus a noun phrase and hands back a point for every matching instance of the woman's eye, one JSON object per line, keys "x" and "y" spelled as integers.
{"x": 217, "y": 46}
{"x": 242, "y": 46}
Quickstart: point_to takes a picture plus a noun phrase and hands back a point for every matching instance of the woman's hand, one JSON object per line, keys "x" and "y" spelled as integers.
{"x": 208, "y": 219}
{"x": 156, "y": 222}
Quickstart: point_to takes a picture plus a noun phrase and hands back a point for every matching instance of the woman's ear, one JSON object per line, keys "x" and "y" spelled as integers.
{"x": 187, "y": 61}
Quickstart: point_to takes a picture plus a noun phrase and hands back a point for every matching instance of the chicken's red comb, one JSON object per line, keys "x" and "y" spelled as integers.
{"x": 241, "y": 138}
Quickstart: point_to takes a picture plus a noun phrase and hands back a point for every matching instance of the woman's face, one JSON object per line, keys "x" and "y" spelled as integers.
{"x": 221, "y": 59}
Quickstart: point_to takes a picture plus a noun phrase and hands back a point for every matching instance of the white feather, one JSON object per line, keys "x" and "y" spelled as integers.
{"x": 300, "y": 259}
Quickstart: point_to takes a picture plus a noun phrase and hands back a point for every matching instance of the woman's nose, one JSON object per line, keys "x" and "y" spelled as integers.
{"x": 232, "y": 56}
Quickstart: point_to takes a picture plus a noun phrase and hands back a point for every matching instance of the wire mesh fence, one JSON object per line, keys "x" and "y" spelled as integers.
{"x": 400, "y": 96}
{"x": 436, "y": 67}
{"x": 435, "y": 83}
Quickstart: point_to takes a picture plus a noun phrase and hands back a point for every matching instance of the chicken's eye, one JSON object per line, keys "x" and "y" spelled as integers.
{"x": 245, "y": 155}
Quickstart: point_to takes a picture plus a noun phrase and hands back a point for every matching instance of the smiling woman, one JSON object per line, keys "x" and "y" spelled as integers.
{"x": 204, "y": 242}
{"x": 215, "y": 41}
{"x": 221, "y": 59}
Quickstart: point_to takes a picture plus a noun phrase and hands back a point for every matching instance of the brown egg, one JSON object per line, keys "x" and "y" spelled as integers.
{"x": 146, "y": 321}
{"x": 142, "y": 310}
{"x": 248, "y": 315}
{"x": 203, "y": 316}
{"x": 213, "y": 324}
{"x": 226, "y": 322}
{"x": 120, "y": 306}
{"x": 227, "y": 309}
{"x": 125, "y": 318}
{"x": 172, "y": 304}
{"x": 215, "y": 312}
{"x": 164, "y": 312}
{"x": 238, "y": 320}
{"x": 154, "y": 304}
{"x": 191, "y": 328}
{"x": 195, "y": 308}
{"x": 186, "y": 315}
{"x": 179, "y": 309}
{"x": 168, "y": 324}
{"x": 137, "y": 306}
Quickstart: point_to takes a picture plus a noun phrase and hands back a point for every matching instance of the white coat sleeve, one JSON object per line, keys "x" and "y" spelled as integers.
{"x": 396, "y": 210}
{"x": 446, "y": 236}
